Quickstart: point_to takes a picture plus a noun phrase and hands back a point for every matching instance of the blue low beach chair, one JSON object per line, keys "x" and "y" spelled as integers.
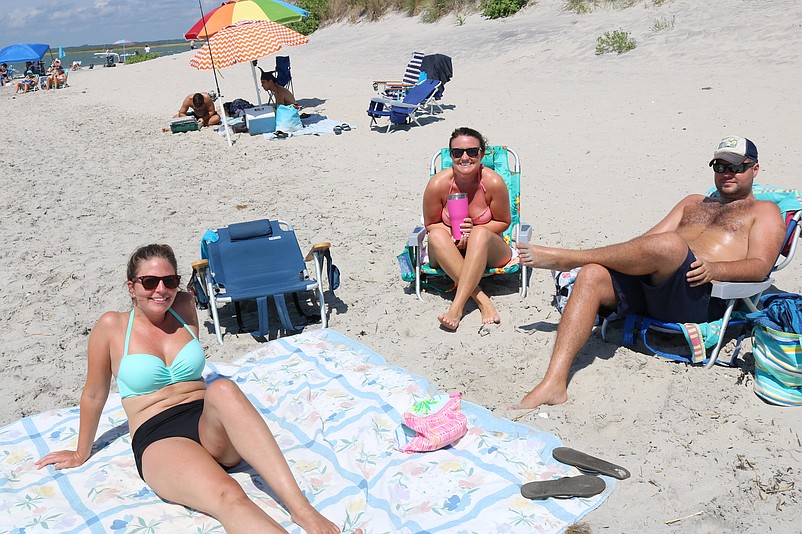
{"x": 416, "y": 101}
{"x": 702, "y": 337}
{"x": 256, "y": 260}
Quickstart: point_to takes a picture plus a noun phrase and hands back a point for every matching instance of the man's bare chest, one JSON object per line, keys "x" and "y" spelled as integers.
{"x": 733, "y": 217}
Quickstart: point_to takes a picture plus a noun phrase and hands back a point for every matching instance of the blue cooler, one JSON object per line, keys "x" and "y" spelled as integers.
{"x": 260, "y": 119}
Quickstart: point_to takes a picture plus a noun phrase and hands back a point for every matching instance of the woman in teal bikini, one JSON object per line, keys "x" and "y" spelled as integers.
{"x": 481, "y": 245}
{"x": 184, "y": 434}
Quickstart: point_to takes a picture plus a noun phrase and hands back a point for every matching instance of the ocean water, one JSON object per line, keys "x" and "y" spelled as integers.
{"x": 89, "y": 58}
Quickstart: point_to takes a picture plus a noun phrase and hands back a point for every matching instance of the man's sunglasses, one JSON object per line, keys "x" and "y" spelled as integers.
{"x": 152, "y": 282}
{"x": 456, "y": 153}
{"x": 720, "y": 167}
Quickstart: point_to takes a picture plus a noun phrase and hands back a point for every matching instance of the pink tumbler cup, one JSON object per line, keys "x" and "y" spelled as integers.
{"x": 457, "y": 211}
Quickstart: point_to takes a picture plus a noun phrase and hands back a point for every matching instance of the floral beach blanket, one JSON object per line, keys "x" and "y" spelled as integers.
{"x": 334, "y": 406}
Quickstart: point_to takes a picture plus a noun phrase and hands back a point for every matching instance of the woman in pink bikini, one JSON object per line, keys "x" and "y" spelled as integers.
{"x": 481, "y": 245}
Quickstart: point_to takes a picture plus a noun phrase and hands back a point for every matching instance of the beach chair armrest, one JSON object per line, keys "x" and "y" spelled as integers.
{"x": 524, "y": 234}
{"x": 739, "y": 290}
{"x": 317, "y": 248}
{"x": 404, "y": 105}
{"x": 200, "y": 265}
{"x": 416, "y": 237}
{"x": 382, "y": 100}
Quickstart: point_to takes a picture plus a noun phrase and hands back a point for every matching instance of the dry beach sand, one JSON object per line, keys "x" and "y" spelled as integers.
{"x": 608, "y": 145}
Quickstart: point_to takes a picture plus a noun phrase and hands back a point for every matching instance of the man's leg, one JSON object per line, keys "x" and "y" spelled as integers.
{"x": 593, "y": 289}
{"x": 657, "y": 255}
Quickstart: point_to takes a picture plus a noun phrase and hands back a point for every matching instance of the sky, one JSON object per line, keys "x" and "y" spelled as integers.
{"x": 78, "y": 22}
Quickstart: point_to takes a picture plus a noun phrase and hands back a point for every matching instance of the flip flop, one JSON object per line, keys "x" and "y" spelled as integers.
{"x": 281, "y": 135}
{"x": 338, "y": 130}
{"x": 564, "y": 488}
{"x": 588, "y": 463}
{"x": 345, "y": 127}
{"x": 304, "y": 115}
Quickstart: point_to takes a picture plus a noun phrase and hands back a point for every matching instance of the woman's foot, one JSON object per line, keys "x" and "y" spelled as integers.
{"x": 489, "y": 313}
{"x": 314, "y": 523}
{"x": 449, "y": 320}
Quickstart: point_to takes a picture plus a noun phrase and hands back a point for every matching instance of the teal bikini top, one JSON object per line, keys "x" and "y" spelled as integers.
{"x": 140, "y": 374}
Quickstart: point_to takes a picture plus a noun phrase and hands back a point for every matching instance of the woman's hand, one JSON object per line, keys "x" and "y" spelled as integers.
{"x": 465, "y": 228}
{"x": 61, "y": 460}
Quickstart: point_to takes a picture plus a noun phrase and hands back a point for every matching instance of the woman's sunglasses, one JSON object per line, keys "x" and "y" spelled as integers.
{"x": 727, "y": 167}
{"x": 152, "y": 282}
{"x": 456, "y": 153}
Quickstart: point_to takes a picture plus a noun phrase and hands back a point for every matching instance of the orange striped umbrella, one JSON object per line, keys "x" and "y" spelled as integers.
{"x": 245, "y": 41}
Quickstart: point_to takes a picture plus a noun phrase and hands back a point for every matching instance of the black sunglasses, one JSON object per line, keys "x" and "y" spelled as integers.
{"x": 152, "y": 282}
{"x": 728, "y": 167}
{"x": 456, "y": 153}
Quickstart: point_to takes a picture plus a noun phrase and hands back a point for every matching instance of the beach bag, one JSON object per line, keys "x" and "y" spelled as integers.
{"x": 288, "y": 119}
{"x": 563, "y": 285}
{"x": 778, "y": 353}
{"x": 432, "y": 424}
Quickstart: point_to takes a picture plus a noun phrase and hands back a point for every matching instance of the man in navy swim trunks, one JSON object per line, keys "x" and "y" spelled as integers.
{"x": 667, "y": 272}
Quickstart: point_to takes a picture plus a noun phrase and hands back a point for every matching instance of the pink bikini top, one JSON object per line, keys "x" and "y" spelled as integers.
{"x": 483, "y": 218}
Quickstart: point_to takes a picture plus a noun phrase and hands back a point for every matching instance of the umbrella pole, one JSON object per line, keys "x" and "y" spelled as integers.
{"x": 256, "y": 83}
{"x": 225, "y": 120}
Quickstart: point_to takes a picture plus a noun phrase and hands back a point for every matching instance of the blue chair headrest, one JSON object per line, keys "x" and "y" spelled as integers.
{"x": 250, "y": 230}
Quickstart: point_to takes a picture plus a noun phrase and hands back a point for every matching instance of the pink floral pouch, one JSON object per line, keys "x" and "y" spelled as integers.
{"x": 432, "y": 424}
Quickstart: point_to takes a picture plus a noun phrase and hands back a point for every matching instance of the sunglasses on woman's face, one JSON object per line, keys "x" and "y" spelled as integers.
{"x": 456, "y": 153}
{"x": 721, "y": 167}
{"x": 152, "y": 282}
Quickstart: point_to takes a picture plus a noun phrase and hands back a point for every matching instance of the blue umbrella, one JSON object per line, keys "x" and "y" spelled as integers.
{"x": 17, "y": 53}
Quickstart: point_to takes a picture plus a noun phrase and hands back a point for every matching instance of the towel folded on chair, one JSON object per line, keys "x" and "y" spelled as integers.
{"x": 701, "y": 337}
{"x": 250, "y": 230}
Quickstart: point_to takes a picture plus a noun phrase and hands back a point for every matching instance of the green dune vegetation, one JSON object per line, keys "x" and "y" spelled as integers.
{"x": 322, "y": 12}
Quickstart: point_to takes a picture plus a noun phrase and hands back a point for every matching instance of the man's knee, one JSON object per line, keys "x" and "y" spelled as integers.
{"x": 594, "y": 284}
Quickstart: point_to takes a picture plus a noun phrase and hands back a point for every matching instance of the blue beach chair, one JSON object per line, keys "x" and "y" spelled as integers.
{"x": 707, "y": 335}
{"x": 415, "y": 269}
{"x": 416, "y": 101}
{"x": 256, "y": 260}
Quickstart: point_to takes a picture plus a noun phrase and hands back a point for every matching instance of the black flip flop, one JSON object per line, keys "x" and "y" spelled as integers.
{"x": 338, "y": 130}
{"x": 564, "y": 488}
{"x": 588, "y": 463}
{"x": 345, "y": 127}
{"x": 281, "y": 135}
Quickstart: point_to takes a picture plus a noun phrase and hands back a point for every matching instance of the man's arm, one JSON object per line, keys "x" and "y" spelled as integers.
{"x": 671, "y": 221}
{"x": 185, "y": 106}
{"x": 765, "y": 242}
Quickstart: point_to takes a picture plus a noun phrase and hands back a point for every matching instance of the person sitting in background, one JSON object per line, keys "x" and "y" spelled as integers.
{"x": 147, "y": 49}
{"x": 480, "y": 245}
{"x": 26, "y": 84}
{"x": 58, "y": 78}
{"x": 4, "y": 75}
{"x": 281, "y": 95}
{"x": 184, "y": 433}
{"x": 200, "y": 106}
{"x": 76, "y": 65}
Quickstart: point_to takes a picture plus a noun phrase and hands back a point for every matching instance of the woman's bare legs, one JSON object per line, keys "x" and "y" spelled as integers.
{"x": 484, "y": 248}
{"x": 230, "y": 429}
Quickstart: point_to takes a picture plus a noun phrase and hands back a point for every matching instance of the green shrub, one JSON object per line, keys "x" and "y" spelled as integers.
{"x": 496, "y": 9}
{"x": 580, "y": 6}
{"x": 318, "y": 11}
{"x": 434, "y": 10}
{"x": 617, "y": 41}
{"x": 663, "y": 24}
{"x": 139, "y": 58}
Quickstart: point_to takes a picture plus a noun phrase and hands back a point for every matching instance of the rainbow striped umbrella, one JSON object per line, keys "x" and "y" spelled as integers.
{"x": 243, "y": 42}
{"x": 232, "y": 12}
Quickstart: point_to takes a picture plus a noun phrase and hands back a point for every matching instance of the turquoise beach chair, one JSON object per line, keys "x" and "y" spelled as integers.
{"x": 702, "y": 337}
{"x": 497, "y": 158}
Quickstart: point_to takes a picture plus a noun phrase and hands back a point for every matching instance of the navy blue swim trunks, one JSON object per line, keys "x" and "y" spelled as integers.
{"x": 672, "y": 301}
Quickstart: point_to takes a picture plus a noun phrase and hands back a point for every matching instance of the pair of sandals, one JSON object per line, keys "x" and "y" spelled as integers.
{"x": 342, "y": 128}
{"x": 579, "y": 486}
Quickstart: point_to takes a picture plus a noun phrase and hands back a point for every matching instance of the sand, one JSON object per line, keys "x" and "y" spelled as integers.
{"x": 608, "y": 144}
